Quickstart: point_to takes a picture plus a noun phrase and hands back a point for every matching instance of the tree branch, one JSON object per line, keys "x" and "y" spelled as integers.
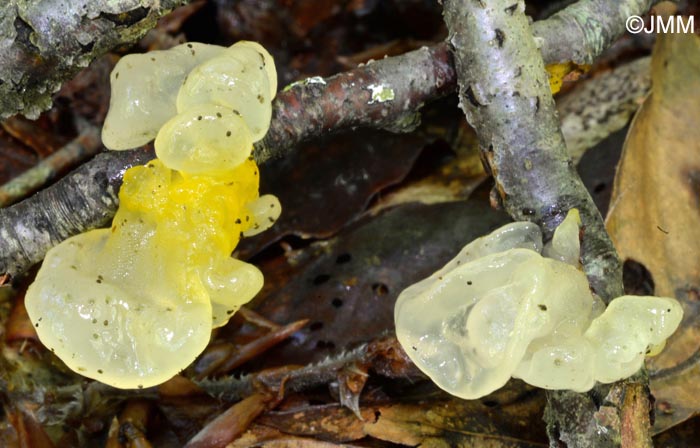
{"x": 586, "y": 28}
{"x": 504, "y": 91}
{"x": 505, "y": 94}
{"x": 84, "y": 200}
{"x": 386, "y": 94}
{"x": 43, "y": 44}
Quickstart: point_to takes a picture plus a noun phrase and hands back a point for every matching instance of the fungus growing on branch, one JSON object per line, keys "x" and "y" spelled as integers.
{"x": 500, "y": 309}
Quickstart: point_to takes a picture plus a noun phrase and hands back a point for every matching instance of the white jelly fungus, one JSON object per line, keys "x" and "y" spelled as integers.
{"x": 500, "y": 309}
{"x": 134, "y": 304}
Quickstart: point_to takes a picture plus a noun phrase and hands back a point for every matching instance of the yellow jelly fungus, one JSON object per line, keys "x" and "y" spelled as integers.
{"x": 232, "y": 80}
{"x": 134, "y": 304}
{"x": 151, "y": 88}
{"x": 266, "y": 209}
{"x": 500, "y": 309}
{"x": 144, "y": 89}
{"x": 268, "y": 64}
{"x": 205, "y": 139}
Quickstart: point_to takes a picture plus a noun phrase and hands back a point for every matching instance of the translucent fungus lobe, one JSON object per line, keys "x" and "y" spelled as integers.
{"x": 134, "y": 304}
{"x": 500, "y": 309}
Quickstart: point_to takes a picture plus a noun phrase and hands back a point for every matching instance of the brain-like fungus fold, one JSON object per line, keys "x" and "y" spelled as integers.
{"x": 134, "y": 304}
{"x": 500, "y": 309}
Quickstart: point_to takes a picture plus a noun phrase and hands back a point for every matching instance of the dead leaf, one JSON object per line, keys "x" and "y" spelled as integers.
{"x": 441, "y": 173}
{"x": 654, "y": 216}
{"x": 325, "y": 184}
{"x": 266, "y": 437}
{"x": 564, "y": 71}
{"x": 347, "y": 286}
{"x": 229, "y": 425}
{"x": 429, "y": 419}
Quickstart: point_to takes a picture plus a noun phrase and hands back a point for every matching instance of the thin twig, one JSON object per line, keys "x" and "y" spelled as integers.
{"x": 386, "y": 94}
{"x": 383, "y": 356}
{"x": 86, "y": 145}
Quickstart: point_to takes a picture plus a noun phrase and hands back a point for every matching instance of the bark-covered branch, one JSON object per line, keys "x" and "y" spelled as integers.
{"x": 84, "y": 200}
{"x": 586, "y": 28}
{"x": 504, "y": 92}
{"x": 386, "y": 94}
{"x": 43, "y": 44}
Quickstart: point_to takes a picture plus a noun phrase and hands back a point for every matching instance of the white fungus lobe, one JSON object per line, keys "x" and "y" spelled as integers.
{"x": 500, "y": 309}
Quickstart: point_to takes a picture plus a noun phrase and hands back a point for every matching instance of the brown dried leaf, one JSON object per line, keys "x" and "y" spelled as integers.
{"x": 229, "y": 425}
{"x": 29, "y": 432}
{"x": 654, "y": 217}
{"x": 33, "y": 135}
{"x": 347, "y": 286}
{"x": 435, "y": 419}
{"x": 450, "y": 178}
{"x": 266, "y": 437}
{"x": 324, "y": 185}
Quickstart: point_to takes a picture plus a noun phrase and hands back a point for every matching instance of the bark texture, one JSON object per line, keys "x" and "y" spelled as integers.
{"x": 505, "y": 94}
{"x": 386, "y": 94}
{"x": 84, "y": 200}
{"x": 586, "y": 28}
{"x": 46, "y": 42}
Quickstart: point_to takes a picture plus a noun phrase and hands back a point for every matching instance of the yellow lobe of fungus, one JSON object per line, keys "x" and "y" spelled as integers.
{"x": 144, "y": 89}
{"x": 134, "y": 304}
{"x": 161, "y": 277}
{"x": 205, "y": 212}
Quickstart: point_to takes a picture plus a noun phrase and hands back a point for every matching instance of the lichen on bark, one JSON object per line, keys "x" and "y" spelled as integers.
{"x": 586, "y": 28}
{"x": 46, "y": 42}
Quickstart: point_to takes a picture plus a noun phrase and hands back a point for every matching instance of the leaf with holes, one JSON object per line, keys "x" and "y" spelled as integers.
{"x": 347, "y": 286}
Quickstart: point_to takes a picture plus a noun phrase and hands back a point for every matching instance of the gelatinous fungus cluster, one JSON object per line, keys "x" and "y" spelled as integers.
{"x": 133, "y": 304}
{"x": 501, "y": 309}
